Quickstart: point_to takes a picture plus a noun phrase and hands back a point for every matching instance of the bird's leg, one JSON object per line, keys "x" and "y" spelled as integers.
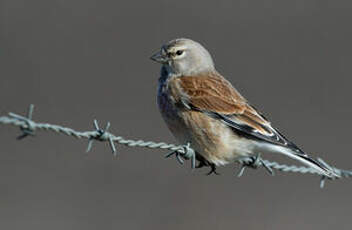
{"x": 205, "y": 163}
{"x": 201, "y": 164}
{"x": 212, "y": 170}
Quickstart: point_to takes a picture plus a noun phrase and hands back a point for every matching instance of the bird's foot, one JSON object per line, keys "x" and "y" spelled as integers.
{"x": 212, "y": 170}
{"x": 204, "y": 163}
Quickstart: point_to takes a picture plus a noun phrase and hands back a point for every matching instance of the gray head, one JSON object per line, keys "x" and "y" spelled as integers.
{"x": 184, "y": 57}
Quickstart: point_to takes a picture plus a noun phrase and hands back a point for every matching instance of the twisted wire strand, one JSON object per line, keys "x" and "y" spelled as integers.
{"x": 86, "y": 134}
{"x": 28, "y": 127}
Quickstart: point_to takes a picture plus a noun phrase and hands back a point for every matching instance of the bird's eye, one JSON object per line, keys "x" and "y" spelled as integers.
{"x": 179, "y": 52}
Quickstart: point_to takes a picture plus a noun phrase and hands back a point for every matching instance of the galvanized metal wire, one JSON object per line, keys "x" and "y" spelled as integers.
{"x": 182, "y": 152}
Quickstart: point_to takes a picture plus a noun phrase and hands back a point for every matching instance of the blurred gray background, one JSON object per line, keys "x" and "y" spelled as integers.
{"x": 78, "y": 60}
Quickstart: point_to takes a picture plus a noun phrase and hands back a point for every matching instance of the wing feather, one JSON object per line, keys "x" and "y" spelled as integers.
{"x": 215, "y": 96}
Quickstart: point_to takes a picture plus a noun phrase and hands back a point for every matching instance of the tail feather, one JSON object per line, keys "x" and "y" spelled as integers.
{"x": 304, "y": 159}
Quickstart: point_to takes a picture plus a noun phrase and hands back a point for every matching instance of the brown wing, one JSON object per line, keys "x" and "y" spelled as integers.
{"x": 211, "y": 93}
{"x": 215, "y": 96}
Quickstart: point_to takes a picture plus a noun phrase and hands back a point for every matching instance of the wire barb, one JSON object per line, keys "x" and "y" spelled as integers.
{"x": 254, "y": 162}
{"x": 101, "y": 135}
{"x": 322, "y": 181}
{"x": 183, "y": 152}
{"x": 29, "y": 129}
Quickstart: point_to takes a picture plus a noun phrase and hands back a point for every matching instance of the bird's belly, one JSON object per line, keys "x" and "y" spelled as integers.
{"x": 209, "y": 137}
{"x": 214, "y": 140}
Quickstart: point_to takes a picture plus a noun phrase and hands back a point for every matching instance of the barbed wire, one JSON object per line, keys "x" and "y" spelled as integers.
{"x": 181, "y": 152}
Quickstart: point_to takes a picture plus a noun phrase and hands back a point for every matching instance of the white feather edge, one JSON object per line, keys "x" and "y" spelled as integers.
{"x": 291, "y": 154}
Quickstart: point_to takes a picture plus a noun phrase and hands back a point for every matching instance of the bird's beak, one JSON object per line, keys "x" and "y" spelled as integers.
{"x": 159, "y": 57}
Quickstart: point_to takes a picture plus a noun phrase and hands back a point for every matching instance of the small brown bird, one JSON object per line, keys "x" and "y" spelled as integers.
{"x": 202, "y": 108}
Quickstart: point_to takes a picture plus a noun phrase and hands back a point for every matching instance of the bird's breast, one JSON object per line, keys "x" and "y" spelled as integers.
{"x": 165, "y": 101}
{"x": 170, "y": 112}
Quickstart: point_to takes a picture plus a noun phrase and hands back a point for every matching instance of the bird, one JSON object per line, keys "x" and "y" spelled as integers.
{"x": 202, "y": 108}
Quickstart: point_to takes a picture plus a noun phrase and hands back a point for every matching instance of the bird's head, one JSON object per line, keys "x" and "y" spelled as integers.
{"x": 184, "y": 57}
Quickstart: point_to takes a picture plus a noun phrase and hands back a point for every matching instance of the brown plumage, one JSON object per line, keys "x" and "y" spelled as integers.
{"x": 211, "y": 92}
{"x": 202, "y": 108}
